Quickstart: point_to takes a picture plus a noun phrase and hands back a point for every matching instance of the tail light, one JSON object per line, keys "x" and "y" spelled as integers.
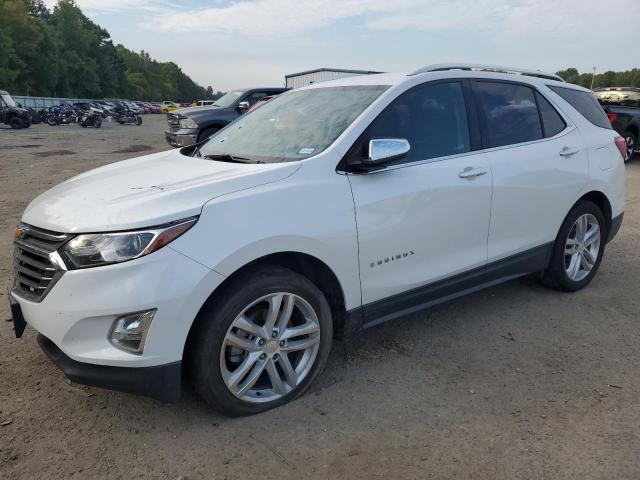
{"x": 612, "y": 117}
{"x": 622, "y": 145}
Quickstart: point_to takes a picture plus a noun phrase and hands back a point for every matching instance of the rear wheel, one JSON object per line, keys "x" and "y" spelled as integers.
{"x": 97, "y": 123}
{"x": 260, "y": 343}
{"x": 631, "y": 140}
{"x": 578, "y": 249}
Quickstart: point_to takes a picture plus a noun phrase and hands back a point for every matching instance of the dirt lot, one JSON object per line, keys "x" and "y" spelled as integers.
{"x": 513, "y": 382}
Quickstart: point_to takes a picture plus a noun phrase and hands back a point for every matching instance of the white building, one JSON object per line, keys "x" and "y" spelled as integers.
{"x": 302, "y": 79}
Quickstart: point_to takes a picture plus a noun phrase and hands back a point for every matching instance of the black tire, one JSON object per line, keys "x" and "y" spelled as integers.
{"x": 206, "y": 133}
{"x": 631, "y": 140}
{"x": 138, "y": 120}
{"x": 556, "y": 276}
{"x": 52, "y": 120}
{"x": 97, "y": 122}
{"x": 27, "y": 123}
{"x": 121, "y": 122}
{"x": 206, "y": 341}
{"x": 16, "y": 123}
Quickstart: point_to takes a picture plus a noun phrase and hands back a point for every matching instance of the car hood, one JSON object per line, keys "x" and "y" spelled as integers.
{"x": 197, "y": 112}
{"x": 145, "y": 191}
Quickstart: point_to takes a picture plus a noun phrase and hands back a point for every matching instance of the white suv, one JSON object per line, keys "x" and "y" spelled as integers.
{"x": 332, "y": 208}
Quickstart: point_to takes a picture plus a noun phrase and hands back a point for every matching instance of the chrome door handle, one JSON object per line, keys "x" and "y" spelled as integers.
{"x": 568, "y": 151}
{"x": 471, "y": 172}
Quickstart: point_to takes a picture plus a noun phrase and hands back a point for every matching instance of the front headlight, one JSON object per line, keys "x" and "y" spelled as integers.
{"x": 94, "y": 249}
{"x": 188, "y": 123}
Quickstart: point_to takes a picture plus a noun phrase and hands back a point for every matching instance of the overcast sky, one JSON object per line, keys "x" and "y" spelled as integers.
{"x": 243, "y": 43}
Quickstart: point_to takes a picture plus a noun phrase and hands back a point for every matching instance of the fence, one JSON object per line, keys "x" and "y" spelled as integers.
{"x": 42, "y": 102}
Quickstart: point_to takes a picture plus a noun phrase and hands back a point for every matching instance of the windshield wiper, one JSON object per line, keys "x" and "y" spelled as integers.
{"x": 225, "y": 157}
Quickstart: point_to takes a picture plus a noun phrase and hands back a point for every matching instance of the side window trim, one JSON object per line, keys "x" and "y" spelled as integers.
{"x": 472, "y": 125}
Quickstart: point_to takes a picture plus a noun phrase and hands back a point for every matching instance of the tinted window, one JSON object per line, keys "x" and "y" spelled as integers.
{"x": 585, "y": 103}
{"x": 552, "y": 122}
{"x": 432, "y": 118}
{"x": 510, "y": 113}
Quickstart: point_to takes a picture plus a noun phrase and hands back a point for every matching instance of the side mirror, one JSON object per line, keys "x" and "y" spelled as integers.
{"x": 385, "y": 150}
{"x": 244, "y": 106}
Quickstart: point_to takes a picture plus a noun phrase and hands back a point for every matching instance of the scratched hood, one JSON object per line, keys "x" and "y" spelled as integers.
{"x": 144, "y": 191}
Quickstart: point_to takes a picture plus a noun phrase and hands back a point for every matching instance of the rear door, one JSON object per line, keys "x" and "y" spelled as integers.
{"x": 539, "y": 164}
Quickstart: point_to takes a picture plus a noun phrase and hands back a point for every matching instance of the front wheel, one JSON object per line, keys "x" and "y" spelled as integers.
{"x": 261, "y": 342}
{"x": 578, "y": 249}
{"x": 138, "y": 120}
{"x": 16, "y": 123}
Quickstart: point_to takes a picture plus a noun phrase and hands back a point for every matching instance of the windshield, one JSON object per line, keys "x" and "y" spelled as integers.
{"x": 293, "y": 126}
{"x": 228, "y": 99}
{"x": 8, "y": 100}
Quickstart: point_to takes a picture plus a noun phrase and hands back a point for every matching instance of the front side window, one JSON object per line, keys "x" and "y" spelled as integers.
{"x": 294, "y": 125}
{"x": 510, "y": 113}
{"x": 433, "y": 118}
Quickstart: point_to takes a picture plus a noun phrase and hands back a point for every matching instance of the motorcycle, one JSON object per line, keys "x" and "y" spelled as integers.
{"x": 63, "y": 115}
{"x": 92, "y": 117}
{"x": 123, "y": 115}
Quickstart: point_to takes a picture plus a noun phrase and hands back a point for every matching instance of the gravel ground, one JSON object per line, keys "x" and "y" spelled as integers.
{"x": 516, "y": 381}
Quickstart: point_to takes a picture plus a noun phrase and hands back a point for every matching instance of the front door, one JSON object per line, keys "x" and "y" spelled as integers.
{"x": 425, "y": 217}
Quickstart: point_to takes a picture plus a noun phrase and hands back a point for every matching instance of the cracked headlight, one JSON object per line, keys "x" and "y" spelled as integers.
{"x": 94, "y": 249}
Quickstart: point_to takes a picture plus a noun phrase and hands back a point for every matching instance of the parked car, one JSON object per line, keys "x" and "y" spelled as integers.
{"x": 203, "y": 103}
{"x": 622, "y": 105}
{"x": 12, "y": 114}
{"x": 143, "y": 107}
{"x": 333, "y": 207}
{"x": 168, "y": 106}
{"x": 195, "y": 124}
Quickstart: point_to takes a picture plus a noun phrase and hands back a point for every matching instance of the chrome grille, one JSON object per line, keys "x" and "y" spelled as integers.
{"x": 173, "y": 121}
{"x": 33, "y": 272}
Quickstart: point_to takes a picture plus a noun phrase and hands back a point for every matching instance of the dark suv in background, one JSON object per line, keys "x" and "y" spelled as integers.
{"x": 13, "y": 114}
{"x": 622, "y": 105}
{"x": 190, "y": 125}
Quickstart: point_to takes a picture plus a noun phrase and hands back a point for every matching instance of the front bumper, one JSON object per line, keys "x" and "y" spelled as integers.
{"x": 161, "y": 382}
{"x": 78, "y": 312}
{"x": 181, "y": 138}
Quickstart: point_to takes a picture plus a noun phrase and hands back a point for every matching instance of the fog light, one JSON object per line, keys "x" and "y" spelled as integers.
{"x": 130, "y": 331}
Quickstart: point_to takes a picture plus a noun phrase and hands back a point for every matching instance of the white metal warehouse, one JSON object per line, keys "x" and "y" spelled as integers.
{"x": 302, "y": 79}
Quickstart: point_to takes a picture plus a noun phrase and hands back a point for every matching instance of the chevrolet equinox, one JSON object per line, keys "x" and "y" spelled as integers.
{"x": 335, "y": 207}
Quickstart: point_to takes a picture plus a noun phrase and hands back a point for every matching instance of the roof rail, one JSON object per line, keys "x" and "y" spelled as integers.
{"x": 440, "y": 67}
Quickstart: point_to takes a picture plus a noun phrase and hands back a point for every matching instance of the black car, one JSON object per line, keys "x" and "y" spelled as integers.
{"x": 190, "y": 125}
{"x": 12, "y": 114}
{"x": 622, "y": 105}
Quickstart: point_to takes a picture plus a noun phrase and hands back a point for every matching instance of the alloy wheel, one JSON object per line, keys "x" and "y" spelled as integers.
{"x": 582, "y": 247}
{"x": 270, "y": 347}
{"x": 631, "y": 145}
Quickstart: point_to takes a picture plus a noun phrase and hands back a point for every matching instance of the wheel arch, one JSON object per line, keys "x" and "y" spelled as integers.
{"x": 304, "y": 264}
{"x": 601, "y": 200}
{"x": 633, "y": 128}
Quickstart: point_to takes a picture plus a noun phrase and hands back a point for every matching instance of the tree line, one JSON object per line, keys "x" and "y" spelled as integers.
{"x": 62, "y": 53}
{"x": 629, "y": 78}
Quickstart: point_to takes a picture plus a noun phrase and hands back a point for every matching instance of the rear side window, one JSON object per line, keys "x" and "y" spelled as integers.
{"x": 585, "y": 103}
{"x": 552, "y": 122}
{"x": 510, "y": 113}
{"x": 433, "y": 118}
